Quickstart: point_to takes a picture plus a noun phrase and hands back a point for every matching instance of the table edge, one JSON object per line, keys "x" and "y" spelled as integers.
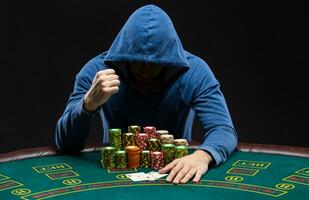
{"x": 242, "y": 146}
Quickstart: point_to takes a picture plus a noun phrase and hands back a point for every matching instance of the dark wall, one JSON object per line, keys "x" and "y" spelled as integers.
{"x": 256, "y": 49}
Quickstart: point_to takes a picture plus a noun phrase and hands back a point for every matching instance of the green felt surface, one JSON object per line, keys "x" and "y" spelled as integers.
{"x": 260, "y": 174}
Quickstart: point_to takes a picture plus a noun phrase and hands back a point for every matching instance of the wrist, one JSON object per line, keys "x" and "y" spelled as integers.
{"x": 205, "y": 155}
{"x": 87, "y": 106}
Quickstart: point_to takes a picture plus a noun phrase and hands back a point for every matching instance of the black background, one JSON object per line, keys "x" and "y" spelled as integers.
{"x": 258, "y": 50}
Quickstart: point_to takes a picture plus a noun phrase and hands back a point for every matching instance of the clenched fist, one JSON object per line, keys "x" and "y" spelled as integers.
{"x": 105, "y": 84}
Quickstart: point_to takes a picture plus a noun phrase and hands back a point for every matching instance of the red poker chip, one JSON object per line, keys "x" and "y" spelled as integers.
{"x": 151, "y": 131}
{"x": 142, "y": 140}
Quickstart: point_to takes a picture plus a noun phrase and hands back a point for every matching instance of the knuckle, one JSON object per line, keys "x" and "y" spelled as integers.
{"x": 98, "y": 74}
{"x": 178, "y": 161}
{"x": 182, "y": 162}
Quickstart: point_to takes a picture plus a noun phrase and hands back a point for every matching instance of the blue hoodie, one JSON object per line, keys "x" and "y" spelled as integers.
{"x": 190, "y": 89}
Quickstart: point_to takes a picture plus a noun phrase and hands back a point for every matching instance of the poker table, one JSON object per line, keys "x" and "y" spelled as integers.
{"x": 253, "y": 171}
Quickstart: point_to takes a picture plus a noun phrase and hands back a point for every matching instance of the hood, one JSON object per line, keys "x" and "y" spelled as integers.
{"x": 147, "y": 36}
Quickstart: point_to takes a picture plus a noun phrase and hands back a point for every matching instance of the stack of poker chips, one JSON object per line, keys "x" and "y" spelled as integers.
{"x": 108, "y": 157}
{"x": 120, "y": 159}
{"x": 115, "y": 138}
{"x": 150, "y": 131}
{"x": 128, "y": 139}
{"x": 161, "y": 132}
{"x": 181, "y": 151}
{"x": 181, "y": 142}
{"x": 168, "y": 151}
{"x": 150, "y": 148}
{"x": 145, "y": 161}
{"x": 157, "y": 160}
{"x": 134, "y": 129}
{"x": 133, "y": 156}
{"x": 167, "y": 139}
{"x": 154, "y": 144}
{"x": 141, "y": 140}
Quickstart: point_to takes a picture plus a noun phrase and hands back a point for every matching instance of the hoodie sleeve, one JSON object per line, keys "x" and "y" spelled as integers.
{"x": 220, "y": 137}
{"x": 73, "y": 126}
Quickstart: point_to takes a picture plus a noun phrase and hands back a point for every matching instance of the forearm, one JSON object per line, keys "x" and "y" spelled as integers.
{"x": 220, "y": 142}
{"x": 73, "y": 127}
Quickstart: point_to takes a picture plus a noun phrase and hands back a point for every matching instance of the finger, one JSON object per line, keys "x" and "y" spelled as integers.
{"x": 106, "y": 72}
{"x": 189, "y": 175}
{"x": 111, "y": 77}
{"x": 182, "y": 173}
{"x": 105, "y": 81}
{"x": 104, "y": 78}
{"x": 174, "y": 171}
{"x": 198, "y": 175}
{"x": 103, "y": 72}
{"x": 111, "y": 83}
{"x": 168, "y": 167}
{"x": 111, "y": 90}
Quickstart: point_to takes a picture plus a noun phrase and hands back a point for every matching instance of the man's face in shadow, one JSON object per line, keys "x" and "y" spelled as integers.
{"x": 145, "y": 76}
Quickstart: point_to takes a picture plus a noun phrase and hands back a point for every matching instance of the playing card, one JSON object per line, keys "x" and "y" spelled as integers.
{"x": 139, "y": 176}
{"x": 154, "y": 175}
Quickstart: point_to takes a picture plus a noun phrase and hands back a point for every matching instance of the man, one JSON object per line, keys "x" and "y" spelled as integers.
{"x": 147, "y": 78}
